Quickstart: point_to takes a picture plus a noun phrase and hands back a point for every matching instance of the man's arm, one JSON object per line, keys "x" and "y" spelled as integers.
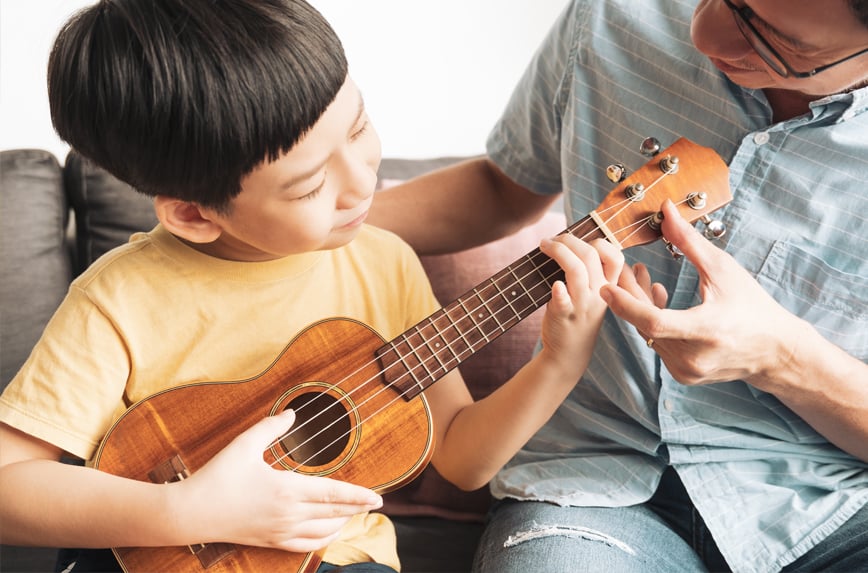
{"x": 457, "y": 207}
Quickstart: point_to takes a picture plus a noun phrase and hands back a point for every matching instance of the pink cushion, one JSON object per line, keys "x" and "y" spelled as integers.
{"x": 451, "y": 276}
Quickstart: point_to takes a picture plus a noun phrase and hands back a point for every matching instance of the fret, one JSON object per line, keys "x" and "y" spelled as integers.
{"x": 442, "y": 342}
{"x": 421, "y": 352}
{"x": 483, "y": 298}
{"x": 435, "y": 343}
{"x": 506, "y": 287}
{"x": 428, "y": 349}
{"x": 460, "y": 301}
{"x": 536, "y": 267}
{"x": 525, "y": 300}
{"x": 470, "y": 333}
{"x": 520, "y": 272}
{"x": 398, "y": 367}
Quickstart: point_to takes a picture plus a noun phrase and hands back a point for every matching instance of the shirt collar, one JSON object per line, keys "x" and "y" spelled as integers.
{"x": 842, "y": 106}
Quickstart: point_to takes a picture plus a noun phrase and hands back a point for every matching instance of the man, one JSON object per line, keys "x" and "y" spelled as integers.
{"x": 730, "y": 429}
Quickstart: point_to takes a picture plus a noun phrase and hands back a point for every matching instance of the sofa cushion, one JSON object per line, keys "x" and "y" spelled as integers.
{"x": 107, "y": 211}
{"x": 35, "y": 261}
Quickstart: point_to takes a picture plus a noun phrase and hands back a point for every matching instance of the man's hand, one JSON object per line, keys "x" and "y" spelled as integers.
{"x": 738, "y": 332}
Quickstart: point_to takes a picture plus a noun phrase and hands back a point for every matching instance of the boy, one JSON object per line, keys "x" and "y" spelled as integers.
{"x": 240, "y": 120}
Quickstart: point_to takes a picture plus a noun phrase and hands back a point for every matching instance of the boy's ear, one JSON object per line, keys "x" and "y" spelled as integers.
{"x": 186, "y": 220}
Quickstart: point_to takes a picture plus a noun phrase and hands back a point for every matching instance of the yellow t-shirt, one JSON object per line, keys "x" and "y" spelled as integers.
{"x": 154, "y": 314}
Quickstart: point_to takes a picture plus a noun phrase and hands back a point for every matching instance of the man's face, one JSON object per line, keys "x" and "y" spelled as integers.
{"x": 805, "y": 33}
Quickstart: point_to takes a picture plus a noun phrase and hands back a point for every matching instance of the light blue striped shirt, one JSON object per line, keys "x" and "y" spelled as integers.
{"x": 769, "y": 487}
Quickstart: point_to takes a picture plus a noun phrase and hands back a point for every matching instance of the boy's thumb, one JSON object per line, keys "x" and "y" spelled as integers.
{"x": 271, "y": 428}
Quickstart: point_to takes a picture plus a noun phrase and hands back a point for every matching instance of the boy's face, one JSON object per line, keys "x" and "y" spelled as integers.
{"x": 805, "y": 34}
{"x": 314, "y": 197}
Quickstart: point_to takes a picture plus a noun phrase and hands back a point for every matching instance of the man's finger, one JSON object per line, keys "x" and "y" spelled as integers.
{"x": 644, "y": 315}
{"x": 685, "y": 237}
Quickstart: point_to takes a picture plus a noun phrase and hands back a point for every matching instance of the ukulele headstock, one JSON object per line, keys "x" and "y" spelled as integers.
{"x": 695, "y": 178}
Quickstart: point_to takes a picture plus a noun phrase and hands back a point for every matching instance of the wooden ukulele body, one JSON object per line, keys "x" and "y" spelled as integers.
{"x": 349, "y": 426}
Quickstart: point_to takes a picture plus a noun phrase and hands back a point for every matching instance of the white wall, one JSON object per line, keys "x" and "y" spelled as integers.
{"x": 435, "y": 75}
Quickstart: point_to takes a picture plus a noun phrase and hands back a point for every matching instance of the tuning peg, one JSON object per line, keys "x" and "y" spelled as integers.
{"x": 650, "y": 147}
{"x": 714, "y": 229}
{"x": 673, "y": 250}
{"x": 669, "y": 164}
{"x": 616, "y": 172}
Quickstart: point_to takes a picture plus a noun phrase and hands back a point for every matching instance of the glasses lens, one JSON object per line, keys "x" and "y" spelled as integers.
{"x": 759, "y": 45}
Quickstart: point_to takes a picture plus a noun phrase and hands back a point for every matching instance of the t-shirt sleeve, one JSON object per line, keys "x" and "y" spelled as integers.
{"x": 71, "y": 388}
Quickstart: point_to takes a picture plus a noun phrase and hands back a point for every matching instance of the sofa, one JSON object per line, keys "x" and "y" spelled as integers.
{"x": 55, "y": 219}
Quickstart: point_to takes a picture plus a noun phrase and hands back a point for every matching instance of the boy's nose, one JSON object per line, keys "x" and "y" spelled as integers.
{"x": 359, "y": 181}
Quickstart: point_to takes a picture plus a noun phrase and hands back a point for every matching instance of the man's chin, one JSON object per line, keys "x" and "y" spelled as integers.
{"x": 746, "y": 77}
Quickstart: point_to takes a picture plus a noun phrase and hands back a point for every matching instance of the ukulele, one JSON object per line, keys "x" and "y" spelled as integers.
{"x": 361, "y": 416}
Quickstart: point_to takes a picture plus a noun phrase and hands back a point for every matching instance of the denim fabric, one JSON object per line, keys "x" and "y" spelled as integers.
{"x": 666, "y": 534}
{"x": 527, "y": 536}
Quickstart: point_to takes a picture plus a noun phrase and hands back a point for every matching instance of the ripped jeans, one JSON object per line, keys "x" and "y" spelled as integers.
{"x": 520, "y": 538}
{"x": 664, "y": 535}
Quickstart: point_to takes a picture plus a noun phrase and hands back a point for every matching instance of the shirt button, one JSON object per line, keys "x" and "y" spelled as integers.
{"x": 668, "y": 405}
{"x": 761, "y": 138}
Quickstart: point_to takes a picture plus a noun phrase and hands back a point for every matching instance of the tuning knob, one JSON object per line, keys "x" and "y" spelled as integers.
{"x": 616, "y": 172}
{"x": 650, "y": 147}
{"x": 714, "y": 229}
{"x": 673, "y": 250}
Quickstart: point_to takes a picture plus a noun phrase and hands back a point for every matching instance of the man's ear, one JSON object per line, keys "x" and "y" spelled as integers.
{"x": 187, "y": 220}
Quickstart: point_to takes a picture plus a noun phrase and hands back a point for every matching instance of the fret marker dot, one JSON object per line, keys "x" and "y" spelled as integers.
{"x": 481, "y": 315}
{"x": 513, "y": 293}
{"x": 437, "y": 345}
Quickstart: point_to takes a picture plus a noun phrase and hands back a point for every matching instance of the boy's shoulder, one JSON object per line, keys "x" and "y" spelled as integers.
{"x": 380, "y": 241}
{"x": 135, "y": 253}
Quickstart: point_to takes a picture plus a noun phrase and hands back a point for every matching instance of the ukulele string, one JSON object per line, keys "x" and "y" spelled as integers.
{"x": 434, "y": 354}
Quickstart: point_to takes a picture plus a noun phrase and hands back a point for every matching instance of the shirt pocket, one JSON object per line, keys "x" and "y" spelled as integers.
{"x": 816, "y": 289}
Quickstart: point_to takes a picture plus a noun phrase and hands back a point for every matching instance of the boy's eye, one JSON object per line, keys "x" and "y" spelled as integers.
{"x": 315, "y": 192}
{"x": 361, "y": 131}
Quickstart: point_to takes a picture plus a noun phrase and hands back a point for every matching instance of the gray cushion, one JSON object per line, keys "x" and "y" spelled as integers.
{"x": 107, "y": 211}
{"x": 34, "y": 260}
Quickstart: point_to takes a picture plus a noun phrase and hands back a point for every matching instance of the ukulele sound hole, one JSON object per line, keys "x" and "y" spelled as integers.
{"x": 321, "y": 430}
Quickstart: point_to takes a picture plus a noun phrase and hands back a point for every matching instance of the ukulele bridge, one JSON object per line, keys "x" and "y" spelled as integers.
{"x": 174, "y": 470}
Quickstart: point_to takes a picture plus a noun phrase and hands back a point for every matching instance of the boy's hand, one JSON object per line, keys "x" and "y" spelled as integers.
{"x": 575, "y": 312}
{"x": 238, "y": 498}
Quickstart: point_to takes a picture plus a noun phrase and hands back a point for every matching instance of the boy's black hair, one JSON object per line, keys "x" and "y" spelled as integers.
{"x": 185, "y": 97}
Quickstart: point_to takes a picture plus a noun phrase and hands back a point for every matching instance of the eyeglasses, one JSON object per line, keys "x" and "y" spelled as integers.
{"x": 743, "y": 15}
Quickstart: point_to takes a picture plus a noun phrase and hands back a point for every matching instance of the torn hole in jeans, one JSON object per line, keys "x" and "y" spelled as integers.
{"x": 539, "y": 531}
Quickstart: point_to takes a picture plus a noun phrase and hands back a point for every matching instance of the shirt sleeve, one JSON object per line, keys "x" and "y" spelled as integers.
{"x": 525, "y": 143}
{"x": 71, "y": 387}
